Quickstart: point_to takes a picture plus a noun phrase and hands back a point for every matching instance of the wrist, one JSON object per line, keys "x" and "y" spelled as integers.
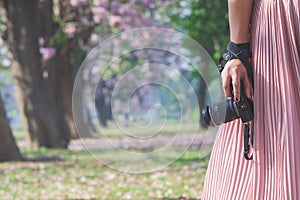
{"x": 234, "y": 51}
{"x": 239, "y": 49}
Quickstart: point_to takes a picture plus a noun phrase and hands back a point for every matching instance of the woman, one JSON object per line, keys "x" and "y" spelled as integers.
{"x": 274, "y": 172}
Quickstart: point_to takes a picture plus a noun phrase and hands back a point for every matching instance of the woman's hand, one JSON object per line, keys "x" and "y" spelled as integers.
{"x": 235, "y": 72}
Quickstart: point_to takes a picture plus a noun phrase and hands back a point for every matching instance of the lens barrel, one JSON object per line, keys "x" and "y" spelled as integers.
{"x": 219, "y": 113}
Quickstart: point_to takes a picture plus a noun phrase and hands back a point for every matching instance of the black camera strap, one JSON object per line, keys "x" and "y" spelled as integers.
{"x": 242, "y": 53}
{"x": 246, "y": 141}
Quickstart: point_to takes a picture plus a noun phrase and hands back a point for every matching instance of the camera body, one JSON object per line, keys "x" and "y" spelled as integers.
{"x": 228, "y": 110}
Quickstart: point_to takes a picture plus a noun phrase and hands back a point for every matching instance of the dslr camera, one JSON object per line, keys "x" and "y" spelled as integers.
{"x": 229, "y": 110}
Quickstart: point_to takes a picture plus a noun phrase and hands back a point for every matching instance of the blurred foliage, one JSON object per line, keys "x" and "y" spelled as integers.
{"x": 206, "y": 21}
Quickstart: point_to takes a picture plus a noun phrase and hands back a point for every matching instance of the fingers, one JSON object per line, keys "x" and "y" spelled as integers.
{"x": 236, "y": 85}
{"x": 247, "y": 87}
{"x": 234, "y": 72}
{"x": 226, "y": 86}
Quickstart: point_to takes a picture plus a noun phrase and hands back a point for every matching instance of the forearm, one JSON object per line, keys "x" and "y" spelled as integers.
{"x": 240, "y": 12}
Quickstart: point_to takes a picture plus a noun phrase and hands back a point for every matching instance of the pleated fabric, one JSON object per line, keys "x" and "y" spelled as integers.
{"x": 274, "y": 172}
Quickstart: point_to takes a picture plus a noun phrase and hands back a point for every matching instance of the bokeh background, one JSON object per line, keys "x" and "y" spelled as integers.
{"x": 43, "y": 43}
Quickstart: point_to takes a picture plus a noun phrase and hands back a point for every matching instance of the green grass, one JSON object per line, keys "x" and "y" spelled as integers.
{"x": 65, "y": 174}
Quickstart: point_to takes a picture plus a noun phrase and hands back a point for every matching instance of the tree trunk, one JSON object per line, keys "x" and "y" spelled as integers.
{"x": 41, "y": 117}
{"x": 58, "y": 81}
{"x": 67, "y": 88}
{"x": 8, "y": 148}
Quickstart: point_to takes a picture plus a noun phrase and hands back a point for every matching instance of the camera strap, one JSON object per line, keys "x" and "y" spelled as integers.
{"x": 246, "y": 141}
{"x": 242, "y": 53}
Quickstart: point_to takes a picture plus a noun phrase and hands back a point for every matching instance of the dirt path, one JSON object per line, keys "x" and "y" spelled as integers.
{"x": 196, "y": 140}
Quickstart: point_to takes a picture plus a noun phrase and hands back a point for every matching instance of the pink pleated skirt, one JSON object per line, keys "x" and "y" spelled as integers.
{"x": 274, "y": 172}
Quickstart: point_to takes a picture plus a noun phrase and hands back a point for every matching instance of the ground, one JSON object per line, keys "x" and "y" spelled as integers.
{"x": 76, "y": 174}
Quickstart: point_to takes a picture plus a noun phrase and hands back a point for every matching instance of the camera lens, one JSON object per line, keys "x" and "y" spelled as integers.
{"x": 219, "y": 113}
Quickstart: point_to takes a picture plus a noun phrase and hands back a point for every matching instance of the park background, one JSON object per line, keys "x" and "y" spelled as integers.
{"x": 42, "y": 45}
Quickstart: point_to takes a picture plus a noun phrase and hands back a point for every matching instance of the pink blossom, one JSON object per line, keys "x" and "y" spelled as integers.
{"x": 100, "y": 14}
{"x": 115, "y": 7}
{"x": 146, "y": 22}
{"x": 70, "y": 31}
{"x": 97, "y": 3}
{"x": 48, "y": 52}
{"x": 85, "y": 48}
{"x": 84, "y": 20}
{"x": 115, "y": 20}
{"x": 147, "y": 3}
{"x": 84, "y": 2}
{"x": 77, "y": 3}
{"x": 100, "y": 3}
{"x": 125, "y": 9}
{"x": 1, "y": 41}
{"x": 99, "y": 11}
{"x": 41, "y": 41}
